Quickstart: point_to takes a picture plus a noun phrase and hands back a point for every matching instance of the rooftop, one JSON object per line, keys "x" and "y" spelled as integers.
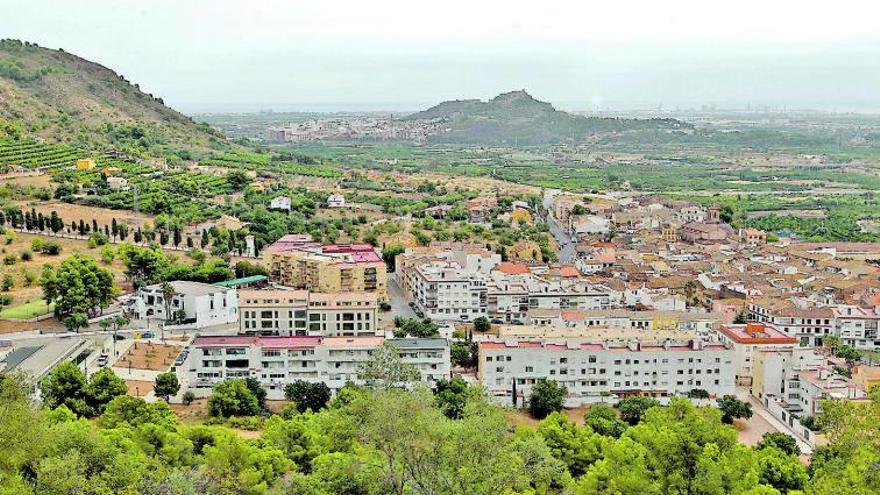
{"x": 756, "y": 333}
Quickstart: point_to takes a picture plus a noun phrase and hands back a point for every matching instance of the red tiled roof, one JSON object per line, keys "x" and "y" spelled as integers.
{"x": 513, "y": 268}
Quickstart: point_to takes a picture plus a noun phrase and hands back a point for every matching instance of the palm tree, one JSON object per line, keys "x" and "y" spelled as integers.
{"x": 167, "y": 294}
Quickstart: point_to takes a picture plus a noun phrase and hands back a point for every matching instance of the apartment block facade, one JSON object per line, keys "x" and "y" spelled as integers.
{"x": 289, "y": 312}
{"x": 602, "y": 372}
{"x": 295, "y": 261}
{"x": 277, "y": 361}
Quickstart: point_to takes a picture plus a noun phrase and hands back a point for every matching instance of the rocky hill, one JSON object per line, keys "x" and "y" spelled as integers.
{"x": 518, "y": 118}
{"x": 64, "y": 98}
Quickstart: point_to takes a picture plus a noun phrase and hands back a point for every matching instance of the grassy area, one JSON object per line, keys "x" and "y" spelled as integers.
{"x": 26, "y": 310}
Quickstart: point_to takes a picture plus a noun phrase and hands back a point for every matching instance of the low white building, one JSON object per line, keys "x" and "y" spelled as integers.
{"x": 118, "y": 183}
{"x": 280, "y": 203}
{"x": 604, "y": 371}
{"x": 193, "y": 304}
{"x": 336, "y": 201}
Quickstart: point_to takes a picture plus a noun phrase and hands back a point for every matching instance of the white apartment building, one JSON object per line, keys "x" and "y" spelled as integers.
{"x": 857, "y": 326}
{"x": 288, "y": 312}
{"x": 746, "y": 340}
{"x": 194, "y": 304}
{"x": 604, "y": 372}
{"x": 701, "y": 324}
{"x": 690, "y": 214}
{"x": 511, "y": 297}
{"x": 277, "y": 361}
{"x": 808, "y": 325}
{"x": 792, "y": 383}
{"x": 445, "y": 291}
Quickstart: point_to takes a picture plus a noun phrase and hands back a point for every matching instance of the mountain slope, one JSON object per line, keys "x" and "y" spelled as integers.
{"x": 61, "y": 97}
{"x": 517, "y": 117}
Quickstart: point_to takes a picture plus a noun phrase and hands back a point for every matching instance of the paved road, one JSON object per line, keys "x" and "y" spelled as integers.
{"x": 397, "y": 299}
{"x": 566, "y": 244}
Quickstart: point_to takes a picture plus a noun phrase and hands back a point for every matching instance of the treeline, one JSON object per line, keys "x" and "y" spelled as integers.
{"x": 387, "y": 440}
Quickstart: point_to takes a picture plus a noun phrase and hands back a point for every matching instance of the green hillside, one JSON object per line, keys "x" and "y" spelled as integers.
{"x": 518, "y": 118}
{"x": 60, "y": 97}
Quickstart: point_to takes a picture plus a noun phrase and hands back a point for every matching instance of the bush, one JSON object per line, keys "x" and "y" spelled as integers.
{"x": 188, "y": 397}
{"x": 26, "y": 255}
{"x": 233, "y": 398}
{"x": 5, "y": 299}
{"x": 307, "y": 395}
{"x": 9, "y": 260}
{"x": 547, "y": 397}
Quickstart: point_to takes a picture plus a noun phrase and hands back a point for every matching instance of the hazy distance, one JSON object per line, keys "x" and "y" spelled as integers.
{"x": 233, "y": 56}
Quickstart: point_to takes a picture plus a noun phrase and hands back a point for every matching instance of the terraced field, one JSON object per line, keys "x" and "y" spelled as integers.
{"x": 31, "y": 154}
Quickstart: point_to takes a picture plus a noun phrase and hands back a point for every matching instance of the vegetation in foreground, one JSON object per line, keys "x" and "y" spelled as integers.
{"x": 89, "y": 438}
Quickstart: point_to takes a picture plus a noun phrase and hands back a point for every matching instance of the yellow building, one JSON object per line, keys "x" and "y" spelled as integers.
{"x": 85, "y": 164}
{"x": 320, "y": 272}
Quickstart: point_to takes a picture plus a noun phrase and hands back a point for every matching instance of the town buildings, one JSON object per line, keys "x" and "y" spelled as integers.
{"x": 276, "y": 361}
{"x": 295, "y": 261}
{"x": 749, "y": 338}
{"x": 288, "y": 312}
{"x": 192, "y": 304}
{"x": 604, "y": 371}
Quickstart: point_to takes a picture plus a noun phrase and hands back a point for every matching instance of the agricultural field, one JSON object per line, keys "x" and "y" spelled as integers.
{"x": 30, "y": 154}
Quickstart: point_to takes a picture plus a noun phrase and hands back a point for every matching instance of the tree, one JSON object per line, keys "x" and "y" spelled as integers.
{"x": 232, "y": 398}
{"x": 75, "y": 322}
{"x": 698, "y": 393}
{"x": 464, "y": 354}
{"x": 781, "y": 441}
{"x": 78, "y": 287}
{"x": 482, "y": 324}
{"x": 385, "y": 369}
{"x": 408, "y": 327}
{"x": 108, "y": 254}
{"x": 135, "y": 411}
{"x": 257, "y": 390}
{"x": 577, "y": 447}
{"x": 547, "y": 396}
{"x": 452, "y": 397}
{"x": 143, "y": 265}
{"x": 603, "y": 420}
{"x": 633, "y": 408}
{"x": 850, "y": 354}
{"x": 307, "y": 396}
{"x": 166, "y": 385}
{"x": 781, "y": 470}
{"x": 167, "y": 296}
{"x": 105, "y": 386}
{"x": 238, "y": 179}
{"x": 731, "y": 408}
{"x": 66, "y": 385}
{"x": 389, "y": 254}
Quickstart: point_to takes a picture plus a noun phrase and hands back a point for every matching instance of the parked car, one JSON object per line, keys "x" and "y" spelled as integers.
{"x": 103, "y": 359}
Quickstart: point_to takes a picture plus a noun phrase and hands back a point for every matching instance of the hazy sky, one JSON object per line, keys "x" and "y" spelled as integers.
{"x": 244, "y": 55}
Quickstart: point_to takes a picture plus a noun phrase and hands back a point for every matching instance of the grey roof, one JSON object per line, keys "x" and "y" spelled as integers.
{"x": 16, "y": 357}
{"x": 409, "y": 343}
